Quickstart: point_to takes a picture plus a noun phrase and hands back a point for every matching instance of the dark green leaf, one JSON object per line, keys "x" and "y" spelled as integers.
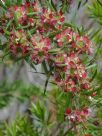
{"x": 79, "y": 4}
{"x": 99, "y": 2}
{"x": 19, "y": 2}
{"x": 94, "y": 75}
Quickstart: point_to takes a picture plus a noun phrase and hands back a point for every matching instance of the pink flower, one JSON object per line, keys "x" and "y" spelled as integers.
{"x": 94, "y": 94}
{"x": 83, "y": 44}
{"x": 64, "y": 37}
{"x": 19, "y": 11}
{"x": 78, "y": 115}
{"x": 41, "y": 46}
{"x": 20, "y": 43}
{"x": 52, "y": 18}
{"x": 73, "y": 41}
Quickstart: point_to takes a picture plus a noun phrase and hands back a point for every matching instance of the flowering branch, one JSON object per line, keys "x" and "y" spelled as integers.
{"x": 40, "y": 35}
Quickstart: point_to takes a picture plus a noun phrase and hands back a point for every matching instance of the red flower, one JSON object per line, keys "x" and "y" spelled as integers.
{"x": 78, "y": 115}
{"x": 1, "y": 30}
{"x": 68, "y": 111}
{"x": 85, "y": 86}
{"x": 62, "y": 19}
{"x": 94, "y": 94}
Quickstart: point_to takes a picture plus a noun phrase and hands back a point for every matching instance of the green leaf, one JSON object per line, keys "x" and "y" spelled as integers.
{"x": 33, "y": 66}
{"x": 95, "y": 33}
{"x": 64, "y": 6}
{"x": 99, "y": 2}
{"x": 19, "y": 2}
{"x": 33, "y": 30}
{"x": 8, "y": 3}
{"x": 2, "y": 4}
{"x": 67, "y": 24}
{"x": 55, "y": 51}
{"x": 52, "y": 5}
{"x": 33, "y": 13}
{"x": 79, "y": 4}
{"x": 38, "y": 111}
{"x": 29, "y": 33}
{"x": 94, "y": 75}
{"x": 45, "y": 67}
{"x": 46, "y": 83}
{"x": 7, "y": 32}
{"x": 81, "y": 30}
{"x": 91, "y": 66}
{"x": 23, "y": 27}
{"x": 9, "y": 23}
{"x": 15, "y": 19}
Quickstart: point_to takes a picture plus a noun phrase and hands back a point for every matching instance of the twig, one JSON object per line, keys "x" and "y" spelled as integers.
{"x": 46, "y": 83}
{"x": 37, "y": 72}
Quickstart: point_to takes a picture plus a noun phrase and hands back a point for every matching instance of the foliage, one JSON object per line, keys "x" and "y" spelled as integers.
{"x": 17, "y": 90}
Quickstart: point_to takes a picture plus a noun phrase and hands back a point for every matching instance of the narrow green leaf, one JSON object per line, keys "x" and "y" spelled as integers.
{"x": 46, "y": 83}
{"x": 79, "y": 4}
{"x": 99, "y": 2}
{"x": 45, "y": 67}
{"x": 32, "y": 65}
{"x": 91, "y": 66}
{"x": 8, "y": 3}
{"x": 29, "y": 33}
{"x": 19, "y": 2}
{"x": 33, "y": 30}
{"x": 15, "y": 19}
{"x": 2, "y": 4}
{"x": 95, "y": 34}
{"x": 56, "y": 50}
{"x": 53, "y": 5}
{"x": 33, "y": 13}
{"x": 9, "y": 23}
{"x": 23, "y": 27}
{"x": 64, "y": 6}
{"x": 94, "y": 75}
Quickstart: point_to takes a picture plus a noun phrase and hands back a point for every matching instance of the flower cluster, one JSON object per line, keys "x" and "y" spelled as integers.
{"x": 52, "y": 18}
{"x": 21, "y": 13}
{"x": 69, "y": 72}
{"x": 77, "y": 115}
{"x": 65, "y": 37}
{"x": 80, "y": 44}
{"x": 39, "y": 34}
